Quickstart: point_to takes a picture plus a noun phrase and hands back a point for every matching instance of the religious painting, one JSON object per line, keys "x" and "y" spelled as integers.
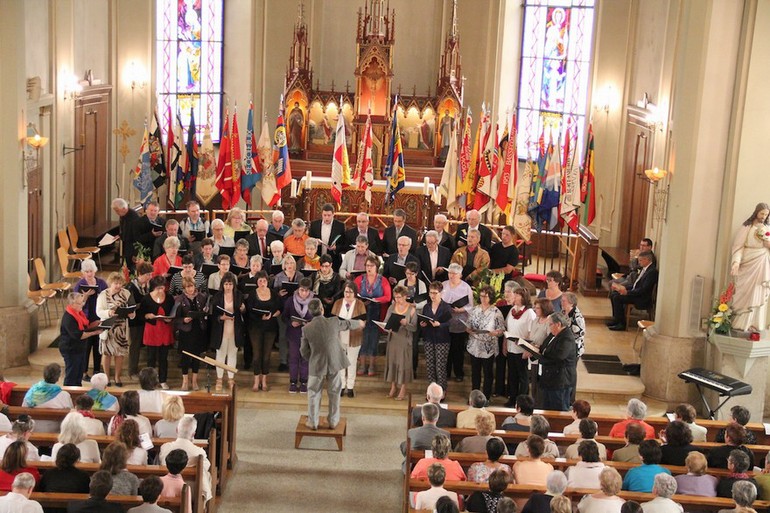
{"x": 296, "y": 109}
{"x": 447, "y": 121}
{"x": 373, "y": 91}
{"x": 417, "y": 128}
{"x": 323, "y": 123}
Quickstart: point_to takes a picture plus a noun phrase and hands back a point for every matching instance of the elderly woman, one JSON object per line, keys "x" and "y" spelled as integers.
{"x": 264, "y": 309}
{"x": 678, "y": 443}
{"x": 191, "y": 327}
{"x": 90, "y": 286}
{"x": 295, "y": 307}
{"x": 173, "y": 411}
{"x": 480, "y": 471}
{"x": 540, "y": 427}
{"x": 519, "y": 323}
{"x": 139, "y": 287}
{"x": 555, "y": 484}
{"x": 636, "y": 411}
{"x": 169, "y": 258}
{"x": 227, "y": 327}
{"x": 663, "y": 489}
{"x": 75, "y": 335}
{"x": 440, "y": 447}
{"x": 47, "y": 394}
{"x": 398, "y": 352}
{"x": 278, "y": 251}
{"x": 247, "y": 283}
{"x": 606, "y": 501}
{"x": 455, "y": 289}
{"x": 311, "y": 260}
{"x": 373, "y": 287}
{"x": 697, "y": 480}
{"x": 585, "y": 473}
{"x": 21, "y": 430}
{"x": 215, "y": 280}
{"x": 484, "y": 425}
{"x": 427, "y": 499}
{"x": 294, "y": 241}
{"x": 235, "y": 222}
{"x": 188, "y": 271}
{"x": 206, "y": 254}
{"x": 532, "y": 471}
{"x": 328, "y": 284}
{"x": 73, "y": 431}
{"x": 744, "y": 493}
{"x": 218, "y": 236}
{"x": 114, "y": 461}
{"x": 129, "y": 409}
{"x": 485, "y": 324}
{"x": 737, "y": 466}
{"x": 65, "y": 478}
{"x": 349, "y": 307}
{"x": 128, "y": 433}
{"x": 114, "y": 342}
{"x": 14, "y": 463}
{"x": 158, "y": 332}
{"x": 435, "y": 320}
{"x": 486, "y": 502}
{"x": 241, "y": 254}
{"x": 288, "y": 275}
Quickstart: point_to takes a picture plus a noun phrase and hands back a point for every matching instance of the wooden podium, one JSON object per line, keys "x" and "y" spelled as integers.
{"x": 338, "y": 433}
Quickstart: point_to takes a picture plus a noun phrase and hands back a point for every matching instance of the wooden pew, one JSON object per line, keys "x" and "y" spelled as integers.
{"x": 194, "y": 402}
{"x": 61, "y": 500}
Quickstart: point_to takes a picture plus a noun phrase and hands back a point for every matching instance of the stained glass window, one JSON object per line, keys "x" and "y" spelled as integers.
{"x": 555, "y": 69}
{"x": 188, "y": 46}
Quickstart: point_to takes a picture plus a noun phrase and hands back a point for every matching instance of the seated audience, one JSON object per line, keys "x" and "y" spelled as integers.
{"x": 47, "y": 394}
{"x": 427, "y": 498}
{"x": 128, "y": 433}
{"x": 580, "y": 410}
{"x": 114, "y": 461}
{"x": 587, "y": 433}
{"x": 18, "y": 501}
{"x": 741, "y": 415}
{"x": 173, "y": 411}
{"x": 606, "y": 501}
{"x": 73, "y": 431}
{"x": 150, "y": 491}
{"x": 664, "y": 487}
{"x": 5, "y": 422}
{"x": 486, "y": 502}
{"x": 763, "y": 481}
{"x": 84, "y": 405}
{"x": 735, "y": 437}
{"x": 103, "y": 400}
{"x": 478, "y": 443}
{"x": 447, "y": 505}
{"x": 479, "y": 472}
{"x": 184, "y": 440}
{"x": 533, "y": 471}
{"x": 476, "y": 402}
{"x": 678, "y": 443}
{"x": 697, "y": 480}
{"x": 14, "y": 463}
{"x": 744, "y": 494}
{"x": 21, "y": 429}
{"x": 99, "y": 488}
{"x": 561, "y": 504}
{"x": 585, "y": 473}
{"x": 635, "y": 413}
{"x": 631, "y": 507}
{"x": 434, "y": 394}
{"x": 738, "y": 466}
{"x": 640, "y": 479}
{"x": 555, "y": 484}
{"x": 150, "y": 398}
{"x": 440, "y": 448}
{"x": 507, "y": 505}
{"x": 541, "y": 427}
{"x": 686, "y": 413}
{"x": 65, "y": 478}
{"x": 173, "y": 482}
{"x": 129, "y": 409}
{"x": 421, "y": 437}
{"x": 634, "y": 436}
{"x": 525, "y": 406}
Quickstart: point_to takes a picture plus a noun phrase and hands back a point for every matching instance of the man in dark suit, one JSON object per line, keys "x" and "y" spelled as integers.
{"x": 259, "y": 241}
{"x": 445, "y": 238}
{"x": 434, "y": 258}
{"x": 128, "y": 222}
{"x": 638, "y": 294}
{"x": 434, "y": 395}
{"x": 101, "y": 485}
{"x": 421, "y": 437}
{"x": 172, "y": 230}
{"x": 473, "y": 220}
{"x": 331, "y": 234}
{"x": 558, "y": 361}
{"x": 398, "y": 229}
{"x": 395, "y": 266}
{"x": 150, "y": 226}
{"x": 362, "y": 228}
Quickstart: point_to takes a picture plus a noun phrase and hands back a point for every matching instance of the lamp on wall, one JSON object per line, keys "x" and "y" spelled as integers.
{"x": 135, "y": 76}
{"x": 72, "y": 87}
{"x": 605, "y": 98}
{"x": 34, "y": 139}
{"x": 654, "y": 175}
{"x": 651, "y": 112}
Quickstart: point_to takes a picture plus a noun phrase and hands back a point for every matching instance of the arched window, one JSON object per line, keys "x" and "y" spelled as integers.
{"x": 188, "y": 56}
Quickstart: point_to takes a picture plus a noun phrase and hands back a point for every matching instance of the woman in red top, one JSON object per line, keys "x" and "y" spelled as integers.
{"x": 170, "y": 257}
{"x": 14, "y": 463}
{"x": 376, "y": 289}
{"x": 158, "y": 333}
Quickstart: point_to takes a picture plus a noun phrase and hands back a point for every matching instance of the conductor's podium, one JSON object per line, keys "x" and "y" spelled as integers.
{"x": 338, "y": 433}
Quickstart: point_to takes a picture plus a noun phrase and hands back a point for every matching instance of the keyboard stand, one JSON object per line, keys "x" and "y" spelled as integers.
{"x": 712, "y": 413}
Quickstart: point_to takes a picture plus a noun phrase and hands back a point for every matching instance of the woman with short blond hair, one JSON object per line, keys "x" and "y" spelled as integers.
{"x": 606, "y": 501}
{"x": 114, "y": 342}
{"x": 697, "y": 480}
{"x": 173, "y": 411}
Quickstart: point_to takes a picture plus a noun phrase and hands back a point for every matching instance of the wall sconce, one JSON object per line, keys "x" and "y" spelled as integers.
{"x": 72, "y": 87}
{"x": 135, "y": 76}
{"x": 605, "y": 98}
{"x": 651, "y": 112}
{"x": 34, "y": 139}
{"x": 655, "y": 175}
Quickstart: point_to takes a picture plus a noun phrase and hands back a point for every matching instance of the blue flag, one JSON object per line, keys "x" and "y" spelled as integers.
{"x": 142, "y": 172}
{"x": 251, "y": 173}
{"x": 394, "y": 174}
{"x": 192, "y": 157}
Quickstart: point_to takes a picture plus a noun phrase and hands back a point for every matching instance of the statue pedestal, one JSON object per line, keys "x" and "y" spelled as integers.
{"x": 663, "y": 358}
{"x": 744, "y": 360}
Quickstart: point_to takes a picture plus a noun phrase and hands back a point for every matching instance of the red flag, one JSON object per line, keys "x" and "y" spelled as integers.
{"x": 587, "y": 182}
{"x": 236, "y": 165}
{"x": 364, "y": 173}
{"x": 507, "y": 173}
{"x": 224, "y": 165}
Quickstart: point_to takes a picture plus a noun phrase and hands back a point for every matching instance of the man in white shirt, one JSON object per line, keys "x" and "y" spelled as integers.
{"x": 17, "y": 501}
{"x": 185, "y": 432}
{"x": 194, "y": 223}
{"x": 434, "y": 258}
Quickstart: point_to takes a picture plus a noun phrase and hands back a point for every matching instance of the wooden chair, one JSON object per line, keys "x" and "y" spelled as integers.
{"x": 59, "y": 287}
{"x": 64, "y": 242}
{"x": 72, "y": 232}
{"x": 61, "y": 254}
{"x": 40, "y": 299}
{"x": 646, "y": 313}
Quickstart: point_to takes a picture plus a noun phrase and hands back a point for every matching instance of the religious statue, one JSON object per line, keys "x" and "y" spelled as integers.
{"x": 751, "y": 270}
{"x": 445, "y": 130}
{"x": 296, "y": 124}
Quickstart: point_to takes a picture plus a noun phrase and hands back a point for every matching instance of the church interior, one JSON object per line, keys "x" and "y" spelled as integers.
{"x": 672, "y": 92}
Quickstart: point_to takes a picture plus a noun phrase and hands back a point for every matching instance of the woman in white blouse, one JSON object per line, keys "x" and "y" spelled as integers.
{"x": 73, "y": 431}
{"x": 606, "y": 501}
{"x": 585, "y": 474}
{"x": 520, "y": 322}
{"x": 485, "y": 324}
{"x": 348, "y": 307}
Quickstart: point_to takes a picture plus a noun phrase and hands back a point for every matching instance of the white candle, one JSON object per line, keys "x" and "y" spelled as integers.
{"x": 293, "y": 187}
{"x": 308, "y": 180}
{"x": 425, "y": 186}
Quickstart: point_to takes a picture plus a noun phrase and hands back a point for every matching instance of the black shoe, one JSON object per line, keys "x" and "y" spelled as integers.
{"x": 283, "y": 368}
{"x": 351, "y": 393}
{"x": 610, "y": 323}
{"x": 342, "y": 392}
{"x": 618, "y": 327}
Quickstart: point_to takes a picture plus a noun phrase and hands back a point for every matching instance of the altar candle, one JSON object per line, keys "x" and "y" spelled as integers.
{"x": 425, "y": 186}
{"x": 293, "y": 187}
{"x": 308, "y": 180}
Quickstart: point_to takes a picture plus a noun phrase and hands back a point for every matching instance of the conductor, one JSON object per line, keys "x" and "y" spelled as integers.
{"x": 322, "y": 349}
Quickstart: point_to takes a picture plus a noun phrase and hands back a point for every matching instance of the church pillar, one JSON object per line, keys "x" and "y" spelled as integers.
{"x": 15, "y": 321}
{"x": 705, "y": 39}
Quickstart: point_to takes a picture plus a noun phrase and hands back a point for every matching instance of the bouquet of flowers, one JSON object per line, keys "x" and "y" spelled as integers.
{"x": 494, "y": 280}
{"x": 721, "y": 319}
{"x": 763, "y": 234}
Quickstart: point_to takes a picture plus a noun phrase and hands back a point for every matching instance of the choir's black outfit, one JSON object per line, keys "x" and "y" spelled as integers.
{"x": 501, "y": 360}
{"x": 262, "y": 333}
{"x": 375, "y": 244}
{"x": 243, "y": 281}
{"x": 216, "y": 322}
{"x": 390, "y": 239}
{"x": 157, "y": 246}
{"x": 191, "y": 336}
{"x": 143, "y": 229}
{"x": 136, "y": 326}
{"x": 392, "y": 269}
{"x": 328, "y": 291}
{"x": 486, "y": 235}
{"x": 443, "y": 260}
{"x": 256, "y": 246}
{"x": 337, "y": 232}
{"x": 500, "y": 256}
{"x": 72, "y": 347}
{"x": 448, "y": 241}
{"x": 128, "y": 225}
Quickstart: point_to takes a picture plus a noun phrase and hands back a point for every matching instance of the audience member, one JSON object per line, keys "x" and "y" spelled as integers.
{"x": 478, "y": 443}
{"x": 588, "y": 430}
{"x": 114, "y": 461}
{"x": 561, "y": 504}
{"x": 422, "y": 436}
{"x": 741, "y": 415}
{"x": 65, "y": 478}
{"x": 128, "y": 433}
{"x": 17, "y": 500}
{"x": 540, "y": 427}
{"x": 440, "y": 447}
{"x": 585, "y": 473}
{"x": 744, "y": 494}
{"x": 636, "y": 411}
{"x": 486, "y": 502}
{"x": 678, "y": 443}
{"x": 480, "y": 472}
{"x": 634, "y": 435}
{"x": 447, "y": 505}
{"x": 532, "y": 471}
{"x": 525, "y": 407}
{"x": 173, "y": 482}
{"x": 631, "y": 507}
{"x": 738, "y": 466}
{"x": 763, "y": 481}
{"x": 99, "y": 488}
{"x": 172, "y": 411}
{"x": 686, "y": 413}
{"x": 14, "y": 463}
{"x": 697, "y": 480}
{"x": 73, "y": 431}
{"x": 185, "y": 433}
{"x": 47, "y": 394}
{"x": 150, "y": 398}
{"x": 641, "y": 478}
{"x": 434, "y": 394}
{"x": 663, "y": 489}
{"x": 735, "y": 437}
{"x": 580, "y": 410}
{"x": 21, "y": 429}
{"x": 466, "y": 419}
{"x": 427, "y": 499}
{"x": 607, "y": 500}
{"x": 93, "y": 426}
{"x": 150, "y": 491}
{"x": 103, "y": 400}
{"x": 538, "y": 502}
{"x": 129, "y": 409}
{"x": 507, "y": 505}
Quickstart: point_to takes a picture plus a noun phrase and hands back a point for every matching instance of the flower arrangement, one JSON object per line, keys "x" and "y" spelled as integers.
{"x": 721, "y": 319}
{"x": 494, "y": 280}
{"x": 762, "y": 234}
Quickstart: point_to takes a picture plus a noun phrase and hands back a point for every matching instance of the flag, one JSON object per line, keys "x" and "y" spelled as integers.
{"x": 522, "y": 221}
{"x": 537, "y": 181}
{"x": 142, "y": 173}
{"x": 394, "y": 174}
{"x": 449, "y": 178}
{"x": 548, "y": 208}
{"x": 587, "y": 182}
{"x": 487, "y": 170}
{"x": 498, "y": 171}
{"x": 340, "y": 164}
{"x": 270, "y": 193}
{"x": 570, "y": 186}
{"x": 224, "y": 165}
{"x": 205, "y": 183}
{"x": 237, "y": 163}
{"x": 470, "y": 177}
{"x": 157, "y": 157}
{"x": 252, "y": 172}
{"x": 191, "y": 152}
{"x": 364, "y": 174}
{"x": 172, "y": 154}
{"x": 182, "y": 161}
{"x": 464, "y": 163}
{"x": 282, "y": 166}
{"x": 508, "y": 175}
